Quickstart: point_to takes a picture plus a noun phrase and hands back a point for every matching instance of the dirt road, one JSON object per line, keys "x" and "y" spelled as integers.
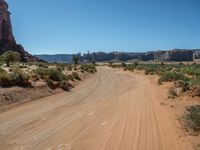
{"x": 112, "y": 110}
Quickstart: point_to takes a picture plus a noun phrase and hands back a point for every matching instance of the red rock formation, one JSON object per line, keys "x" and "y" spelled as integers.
{"x": 5, "y": 23}
{"x": 7, "y": 40}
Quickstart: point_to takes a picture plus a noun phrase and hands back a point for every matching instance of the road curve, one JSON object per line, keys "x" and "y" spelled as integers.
{"x": 112, "y": 110}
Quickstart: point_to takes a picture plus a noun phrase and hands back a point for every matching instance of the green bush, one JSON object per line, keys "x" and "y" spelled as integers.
{"x": 19, "y": 78}
{"x": 56, "y": 75}
{"x": 173, "y": 76}
{"x": 5, "y": 80}
{"x": 11, "y": 56}
{"x": 16, "y": 78}
{"x": 42, "y": 72}
{"x": 192, "y": 118}
{"x": 52, "y": 73}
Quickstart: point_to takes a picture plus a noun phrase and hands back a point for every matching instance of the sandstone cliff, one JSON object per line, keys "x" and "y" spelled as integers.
{"x": 7, "y": 40}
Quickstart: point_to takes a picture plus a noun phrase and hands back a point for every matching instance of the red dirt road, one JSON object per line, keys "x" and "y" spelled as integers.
{"x": 112, "y": 110}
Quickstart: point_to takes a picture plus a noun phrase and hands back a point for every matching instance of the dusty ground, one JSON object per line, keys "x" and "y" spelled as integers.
{"x": 112, "y": 110}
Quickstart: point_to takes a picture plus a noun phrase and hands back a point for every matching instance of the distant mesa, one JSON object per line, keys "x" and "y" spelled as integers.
{"x": 160, "y": 55}
{"x": 59, "y": 58}
{"x": 7, "y": 40}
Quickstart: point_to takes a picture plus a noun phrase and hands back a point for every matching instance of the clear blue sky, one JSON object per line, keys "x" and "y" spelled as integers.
{"x": 70, "y": 26}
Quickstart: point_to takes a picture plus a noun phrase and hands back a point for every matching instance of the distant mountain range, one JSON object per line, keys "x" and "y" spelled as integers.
{"x": 159, "y": 55}
{"x": 60, "y": 58}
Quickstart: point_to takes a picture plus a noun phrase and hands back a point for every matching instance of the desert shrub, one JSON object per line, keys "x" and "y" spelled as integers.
{"x": 192, "y": 118}
{"x": 64, "y": 85}
{"x": 140, "y": 67}
{"x": 197, "y": 91}
{"x": 116, "y": 66}
{"x": 16, "y": 78}
{"x": 42, "y": 72}
{"x": 5, "y": 80}
{"x": 70, "y": 77}
{"x": 76, "y": 75}
{"x": 92, "y": 69}
{"x": 43, "y": 65}
{"x": 35, "y": 77}
{"x": 69, "y": 67}
{"x": 151, "y": 69}
{"x": 123, "y": 64}
{"x": 173, "y": 76}
{"x": 172, "y": 93}
{"x": 52, "y": 84}
{"x": 88, "y": 68}
{"x": 19, "y": 78}
{"x": 56, "y": 75}
{"x": 136, "y": 63}
{"x": 184, "y": 85}
{"x": 1, "y": 59}
{"x": 110, "y": 63}
{"x": 52, "y": 73}
{"x": 22, "y": 66}
{"x": 2, "y": 71}
{"x": 11, "y": 56}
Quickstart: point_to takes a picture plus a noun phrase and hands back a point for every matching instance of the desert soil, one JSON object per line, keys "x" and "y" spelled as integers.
{"x": 112, "y": 110}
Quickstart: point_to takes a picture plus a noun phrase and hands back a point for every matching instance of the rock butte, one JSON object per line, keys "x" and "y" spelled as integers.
{"x": 7, "y": 40}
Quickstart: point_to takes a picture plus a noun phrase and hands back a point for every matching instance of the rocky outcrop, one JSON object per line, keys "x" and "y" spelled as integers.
{"x": 7, "y": 40}
{"x": 178, "y": 55}
{"x": 147, "y": 56}
{"x": 196, "y": 54}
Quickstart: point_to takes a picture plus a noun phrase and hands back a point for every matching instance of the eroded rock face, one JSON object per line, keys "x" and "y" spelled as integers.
{"x": 5, "y": 23}
{"x": 7, "y": 40}
{"x": 178, "y": 55}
